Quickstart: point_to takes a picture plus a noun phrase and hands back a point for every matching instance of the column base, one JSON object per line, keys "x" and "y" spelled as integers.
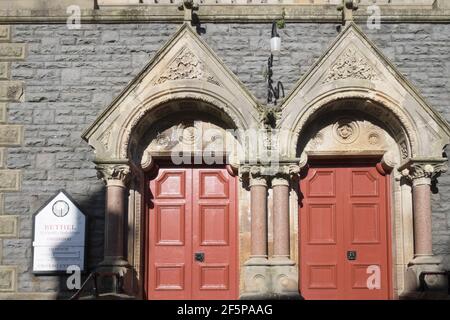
{"x": 285, "y": 281}
{"x": 425, "y": 273}
{"x": 257, "y": 261}
{"x": 274, "y": 279}
{"x": 108, "y": 268}
{"x": 112, "y": 263}
{"x": 281, "y": 261}
{"x": 257, "y": 280}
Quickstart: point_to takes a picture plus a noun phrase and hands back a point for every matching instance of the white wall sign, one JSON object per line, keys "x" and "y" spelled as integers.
{"x": 59, "y": 236}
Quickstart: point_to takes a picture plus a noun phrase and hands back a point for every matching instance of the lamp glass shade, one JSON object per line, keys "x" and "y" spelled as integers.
{"x": 275, "y": 45}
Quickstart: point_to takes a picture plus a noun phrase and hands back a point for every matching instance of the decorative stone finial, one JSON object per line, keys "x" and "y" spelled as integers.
{"x": 188, "y": 6}
{"x": 347, "y": 7}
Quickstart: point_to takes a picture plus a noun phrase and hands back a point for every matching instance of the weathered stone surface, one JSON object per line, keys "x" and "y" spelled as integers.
{"x": 7, "y": 278}
{"x": 2, "y": 157}
{"x": 11, "y": 90}
{"x": 12, "y": 51}
{"x": 8, "y": 226}
{"x": 9, "y": 180}
{"x": 3, "y": 109}
{"x": 10, "y": 135}
{"x": 5, "y": 33}
{"x": 100, "y": 59}
{"x": 4, "y": 71}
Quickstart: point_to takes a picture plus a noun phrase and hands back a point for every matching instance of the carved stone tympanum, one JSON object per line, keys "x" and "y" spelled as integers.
{"x": 352, "y": 64}
{"x": 186, "y": 66}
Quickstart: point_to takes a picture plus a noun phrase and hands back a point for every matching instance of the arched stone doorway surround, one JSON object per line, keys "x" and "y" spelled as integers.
{"x": 353, "y": 103}
{"x": 185, "y": 88}
{"x": 352, "y": 79}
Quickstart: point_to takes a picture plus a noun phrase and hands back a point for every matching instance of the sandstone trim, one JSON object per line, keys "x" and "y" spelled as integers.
{"x": 10, "y": 135}
{"x": 228, "y": 13}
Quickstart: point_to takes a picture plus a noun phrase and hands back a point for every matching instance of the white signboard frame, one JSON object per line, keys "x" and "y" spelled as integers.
{"x": 59, "y": 236}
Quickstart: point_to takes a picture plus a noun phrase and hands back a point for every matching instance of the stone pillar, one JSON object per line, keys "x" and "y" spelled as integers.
{"x": 257, "y": 277}
{"x": 258, "y": 208}
{"x": 421, "y": 172}
{"x": 281, "y": 231}
{"x": 115, "y": 176}
{"x": 283, "y": 270}
{"x": 422, "y": 217}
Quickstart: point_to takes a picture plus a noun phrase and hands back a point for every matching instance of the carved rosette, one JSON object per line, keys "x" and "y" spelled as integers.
{"x": 113, "y": 173}
{"x": 423, "y": 171}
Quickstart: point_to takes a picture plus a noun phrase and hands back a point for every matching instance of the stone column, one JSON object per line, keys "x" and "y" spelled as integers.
{"x": 283, "y": 269}
{"x": 257, "y": 277}
{"x": 281, "y": 231}
{"x": 422, "y": 217}
{"x": 258, "y": 209}
{"x": 420, "y": 173}
{"x": 115, "y": 176}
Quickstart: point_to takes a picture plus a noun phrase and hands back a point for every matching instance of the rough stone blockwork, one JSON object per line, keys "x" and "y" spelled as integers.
{"x": 71, "y": 75}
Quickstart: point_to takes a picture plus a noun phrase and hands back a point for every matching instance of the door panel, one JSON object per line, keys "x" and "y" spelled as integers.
{"x": 170, "y": 227}
{"x": 343, "y": 209}
{"x": 214, "y": 234}
{"x": 192, "y": 217}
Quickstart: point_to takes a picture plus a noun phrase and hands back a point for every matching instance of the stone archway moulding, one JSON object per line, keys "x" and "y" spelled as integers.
{"x": 354, "y": 68}
{"x": 184, "y": 69}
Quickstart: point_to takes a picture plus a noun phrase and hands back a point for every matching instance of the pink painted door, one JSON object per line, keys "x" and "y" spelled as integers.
{"x": 344, "y": 233}
{"x": 192, "y": 250}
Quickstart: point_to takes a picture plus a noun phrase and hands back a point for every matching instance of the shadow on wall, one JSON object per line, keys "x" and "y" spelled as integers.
{"x": 92, "y": 206}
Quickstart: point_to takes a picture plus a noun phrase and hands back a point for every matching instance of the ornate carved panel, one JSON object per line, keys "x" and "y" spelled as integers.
{"x": 351, "y": 64}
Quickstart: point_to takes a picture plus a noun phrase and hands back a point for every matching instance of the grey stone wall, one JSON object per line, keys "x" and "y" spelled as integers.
{"x": 72, "y": 75}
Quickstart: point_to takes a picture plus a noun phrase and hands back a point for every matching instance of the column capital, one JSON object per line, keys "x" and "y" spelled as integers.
{"x": 253, "y": 174}
{"x": 113, "y": 173}
{"x": 422, "y": 171}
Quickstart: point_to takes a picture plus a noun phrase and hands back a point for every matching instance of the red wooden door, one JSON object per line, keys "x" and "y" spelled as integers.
{"x": 192, "y": 215}
{"x": 344, "y": 233}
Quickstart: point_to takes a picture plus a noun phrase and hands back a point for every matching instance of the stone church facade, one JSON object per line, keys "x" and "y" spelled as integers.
{"x": 154, "y": 118}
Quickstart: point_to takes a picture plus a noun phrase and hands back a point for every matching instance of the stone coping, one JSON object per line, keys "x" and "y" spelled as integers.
{"x": 227, "y": 13}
